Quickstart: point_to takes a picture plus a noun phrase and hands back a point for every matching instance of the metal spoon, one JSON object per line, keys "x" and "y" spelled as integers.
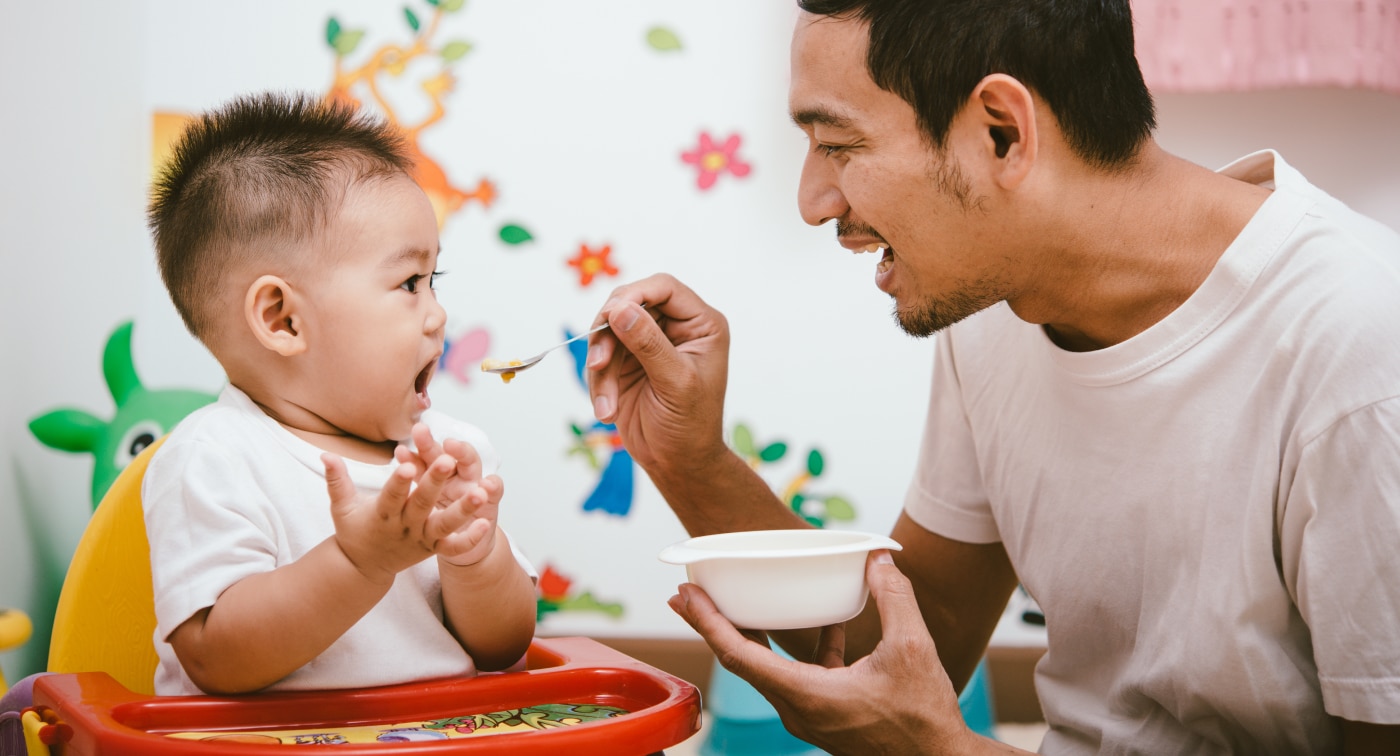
{"x": 508, "y": 368}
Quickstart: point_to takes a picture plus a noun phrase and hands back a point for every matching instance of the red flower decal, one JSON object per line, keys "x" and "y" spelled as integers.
{"x": 713, "y": 160}
{"x": 592, "y": 262}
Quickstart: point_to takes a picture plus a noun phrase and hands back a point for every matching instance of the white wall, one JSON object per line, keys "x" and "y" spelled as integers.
{"x": 74, "y": 145}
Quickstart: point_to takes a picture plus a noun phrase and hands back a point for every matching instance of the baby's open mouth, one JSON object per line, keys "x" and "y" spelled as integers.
{"x": 420, "y": 384}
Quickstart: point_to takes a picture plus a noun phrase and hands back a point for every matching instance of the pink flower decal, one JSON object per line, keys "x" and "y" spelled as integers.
{"x": 713, "y": 160}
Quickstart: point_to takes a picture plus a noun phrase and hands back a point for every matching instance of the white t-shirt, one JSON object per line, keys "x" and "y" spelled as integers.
{"x": 231, "y": 493}
{"x": 1208, "y": 512}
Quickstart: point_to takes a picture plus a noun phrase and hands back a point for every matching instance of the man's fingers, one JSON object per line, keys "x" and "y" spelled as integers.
{"x": 634, "y": 328}
{"x": 894, "y": 597}
{"x": 831, "y": 647}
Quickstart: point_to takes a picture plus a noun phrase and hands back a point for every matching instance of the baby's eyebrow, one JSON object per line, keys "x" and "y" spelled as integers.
{"x": 416, "y": 254}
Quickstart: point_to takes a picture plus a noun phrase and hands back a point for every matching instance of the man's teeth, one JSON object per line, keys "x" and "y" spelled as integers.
{"x": 876, "y": 247}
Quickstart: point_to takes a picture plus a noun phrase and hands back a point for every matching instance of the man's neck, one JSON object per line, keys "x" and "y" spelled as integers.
{"x": 1133, "y": 247}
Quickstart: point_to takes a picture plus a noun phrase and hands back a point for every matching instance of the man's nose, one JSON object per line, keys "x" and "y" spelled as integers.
{"x": 819, "y": 198}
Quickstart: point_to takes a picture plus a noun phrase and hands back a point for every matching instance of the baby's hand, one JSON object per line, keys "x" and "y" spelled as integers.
{"x": 473, "y": 542}
{"x": 467, "y": 474}
{"x": 404, "y": 525}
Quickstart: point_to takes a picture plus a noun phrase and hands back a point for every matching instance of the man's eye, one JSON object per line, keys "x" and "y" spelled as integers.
{"x": 829, "y": 149}
{"x": 411, "y": 285}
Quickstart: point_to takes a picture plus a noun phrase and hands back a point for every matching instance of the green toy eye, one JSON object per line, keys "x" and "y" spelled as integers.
{"x": 135, "y": 440}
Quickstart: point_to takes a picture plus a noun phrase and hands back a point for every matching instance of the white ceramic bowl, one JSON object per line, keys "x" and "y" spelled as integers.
{"x": 781, "y": 579}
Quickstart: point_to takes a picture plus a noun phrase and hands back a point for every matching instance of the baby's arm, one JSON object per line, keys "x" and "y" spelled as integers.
{"x": 266, "y": 626}
{"x": 489, "y": 605}
{"x": 489, "y": 600}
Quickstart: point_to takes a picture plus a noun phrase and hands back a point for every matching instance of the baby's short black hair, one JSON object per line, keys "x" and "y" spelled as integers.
{"x": 252, "y": 176}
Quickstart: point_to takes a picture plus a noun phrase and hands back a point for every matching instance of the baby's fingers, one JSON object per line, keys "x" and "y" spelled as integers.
{"x": 394, "y": 493}
{"x": 468, "y": 460}
{"x": 469, "y": 545}
{"x": 425, "y": 497}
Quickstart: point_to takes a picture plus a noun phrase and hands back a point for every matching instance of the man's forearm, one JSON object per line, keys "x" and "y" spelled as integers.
{"x": 723, "y": 495}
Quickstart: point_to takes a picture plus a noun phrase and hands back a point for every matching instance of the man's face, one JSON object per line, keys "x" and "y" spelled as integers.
{"x": 870, "y": 169}
{"x": 376, "y": 328}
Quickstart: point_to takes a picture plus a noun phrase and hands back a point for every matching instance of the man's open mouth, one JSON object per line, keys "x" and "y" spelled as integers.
{"x": 882, "y": 249}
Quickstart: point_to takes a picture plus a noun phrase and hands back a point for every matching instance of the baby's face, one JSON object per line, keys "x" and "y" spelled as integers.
{"x": 374, "y": 325}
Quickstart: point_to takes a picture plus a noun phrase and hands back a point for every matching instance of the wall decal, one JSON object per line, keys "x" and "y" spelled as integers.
{"x": 462, "y": 355}
{"x": 662, "y": 39}
{"x": 392, "y": 61}
{"x": 557, "y": 595}
{"x": 592, "y": 263}
{"x": 817, "y": 508}
{"x": 711, "y": 160}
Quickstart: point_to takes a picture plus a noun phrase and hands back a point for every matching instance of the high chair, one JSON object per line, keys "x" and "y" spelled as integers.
{"x": 575, "y": 695}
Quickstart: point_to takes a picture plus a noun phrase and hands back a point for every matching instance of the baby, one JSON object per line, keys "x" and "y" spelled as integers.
{"x": 318, "y": 526}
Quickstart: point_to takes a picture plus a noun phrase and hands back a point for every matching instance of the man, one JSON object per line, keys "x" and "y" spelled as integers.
{"x": 1166, "y": 400}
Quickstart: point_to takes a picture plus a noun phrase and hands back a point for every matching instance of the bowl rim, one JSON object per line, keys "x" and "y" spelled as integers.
{"x": 693, "y": 550}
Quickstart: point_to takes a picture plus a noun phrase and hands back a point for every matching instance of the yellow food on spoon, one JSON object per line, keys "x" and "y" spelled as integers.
{"x": 492, "y": 365}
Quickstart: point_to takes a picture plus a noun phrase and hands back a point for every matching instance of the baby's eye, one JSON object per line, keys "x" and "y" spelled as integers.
{"x": 411, "y": 285}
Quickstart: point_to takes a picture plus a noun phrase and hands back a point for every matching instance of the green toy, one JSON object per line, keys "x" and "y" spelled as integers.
{"x": 142, "y": 416}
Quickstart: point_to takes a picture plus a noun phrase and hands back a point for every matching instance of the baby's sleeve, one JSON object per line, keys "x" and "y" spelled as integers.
{"x": 207, "y": 526}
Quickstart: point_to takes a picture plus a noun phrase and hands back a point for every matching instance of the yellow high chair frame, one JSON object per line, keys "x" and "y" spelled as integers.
{"x": 105, "y": 623}
{"x": 106, "y": 616}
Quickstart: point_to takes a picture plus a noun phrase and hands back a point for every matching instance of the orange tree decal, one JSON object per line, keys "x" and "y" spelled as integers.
{"x": 393, "y": 60}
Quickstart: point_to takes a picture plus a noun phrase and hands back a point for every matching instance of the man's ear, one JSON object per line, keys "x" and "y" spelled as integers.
{"x": 1005, "y": 113}
{"x": 270, "y": 308}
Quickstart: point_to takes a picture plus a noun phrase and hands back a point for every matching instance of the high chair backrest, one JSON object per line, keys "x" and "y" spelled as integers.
{"x": 106, "y": 618}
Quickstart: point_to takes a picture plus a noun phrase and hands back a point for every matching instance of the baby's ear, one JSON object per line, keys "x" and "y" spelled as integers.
{"x": 270, "y": 308}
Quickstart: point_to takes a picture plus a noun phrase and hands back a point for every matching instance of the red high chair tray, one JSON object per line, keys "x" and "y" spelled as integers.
{"x": 661, "y": 710}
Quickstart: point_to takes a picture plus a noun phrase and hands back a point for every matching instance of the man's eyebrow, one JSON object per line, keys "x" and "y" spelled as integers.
{"x": 820, "y": 117}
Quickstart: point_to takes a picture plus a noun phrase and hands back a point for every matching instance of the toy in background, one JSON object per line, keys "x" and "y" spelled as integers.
{"x": 142, "y": 416}
{"x": 15, "y": 629}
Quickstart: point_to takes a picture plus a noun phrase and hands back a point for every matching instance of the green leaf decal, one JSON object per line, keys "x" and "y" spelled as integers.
{"x": 663, "y": 39}
{"x": 433, "y": 3}
{"x": 346, "y": 42}
{"x": 815, "y": 463}
{"x": 513, "y": 234}
{"x": 451, "y": 6}
{"x": 332, "y": 31}
{"x": 743, "y": 441}
{"x": 411, "y": 18}
{"x": 455, "y": 49}
{"x": 837, "y": 508}
{"x": 773, "y": 452}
